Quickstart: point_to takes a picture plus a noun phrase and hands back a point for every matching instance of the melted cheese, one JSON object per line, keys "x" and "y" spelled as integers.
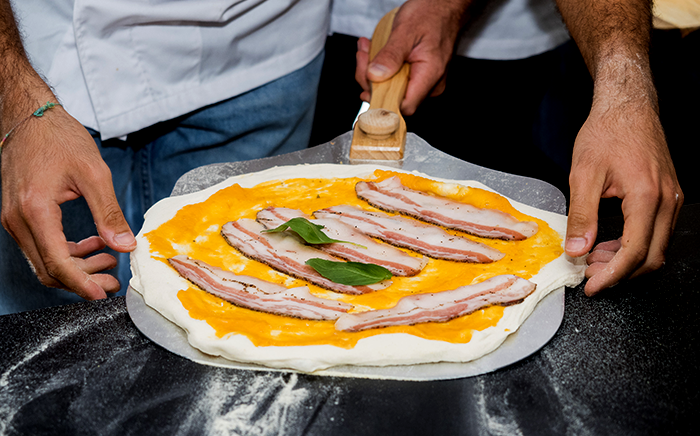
{"x": 194, "y": 231}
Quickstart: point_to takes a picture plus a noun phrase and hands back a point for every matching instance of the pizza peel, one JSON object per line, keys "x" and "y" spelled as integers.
{"x": 401, "y": 150}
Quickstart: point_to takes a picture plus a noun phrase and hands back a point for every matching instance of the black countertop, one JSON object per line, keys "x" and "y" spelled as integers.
{"x": 622, "y": 363}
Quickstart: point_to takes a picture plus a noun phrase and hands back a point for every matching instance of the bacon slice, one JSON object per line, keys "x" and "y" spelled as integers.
{"x": 363, "y": 248}
{"x": 443, "y": 306}
{"x": 426, "y": 239}
{"x": 257, "y": 294}
{"x": 285, "y": 252}
{"x": 391, "y": 195}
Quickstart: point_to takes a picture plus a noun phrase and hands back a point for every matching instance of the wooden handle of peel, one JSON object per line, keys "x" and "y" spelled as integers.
{"x": 385, "y": 95}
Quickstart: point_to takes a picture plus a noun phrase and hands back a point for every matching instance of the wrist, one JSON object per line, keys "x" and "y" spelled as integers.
{"x": 623, "y": 80}
{"x": 21, "y": 96}
{"x": 22, "y": 90}
{"x": 37, "y": 113}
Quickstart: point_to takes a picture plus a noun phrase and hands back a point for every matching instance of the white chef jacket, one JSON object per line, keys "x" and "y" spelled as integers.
{"x": 121, "y": 65}
{"x": 506, "y": 29}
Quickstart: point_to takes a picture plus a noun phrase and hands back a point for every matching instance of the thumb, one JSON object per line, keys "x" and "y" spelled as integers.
{"x": 582, "y": 222}
{"x": 389, "y": 59}
{"x": 108, "y": 216}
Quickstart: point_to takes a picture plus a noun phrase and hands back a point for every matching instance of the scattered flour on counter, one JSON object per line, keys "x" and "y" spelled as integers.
{"x": 502, "y": 424}
{"x": 602, "y": 328}
{"x": 8, "y": 395}
{"x": 5, "y": 377}
{"x": 252, "y": 403}
{"x": 574, "y": 411}
{"x": 14, "y": 389}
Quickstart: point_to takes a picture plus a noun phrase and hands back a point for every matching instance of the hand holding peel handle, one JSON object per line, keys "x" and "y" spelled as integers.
{"x": 619, "y": 152}
{"x": 423, "y": 35}
{"x": 46, "y": 162}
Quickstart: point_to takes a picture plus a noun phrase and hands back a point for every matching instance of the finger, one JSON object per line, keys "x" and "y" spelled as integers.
{"x": 635, "y": 241}
{"x": 96, "y": 263}
{"x": 109, "y": 219}
{"x": 86, "y": 246}
{"x": 679, "y": 198}
{"x": 22, "y": 235}
{"x": 662, "y": 230}
{"x": 390, "y": 58}
{"x": 91, "y": 265}
{"x": 600, "y": 256}
{"x": 363, "y": 44}
{"x": 106, "y": 282}
{"x": 361, "y": 61}
{"x": 440, "y": 87}
{"x": 595, "y": 268}
{"x": 604, "y": 252}
{"x": 582, "y": 222}
{"x": 421, "y": 83}
{"x": 613, "y": 245}
{"x": 44, "y": 223}
{"x": 17, "y": 226}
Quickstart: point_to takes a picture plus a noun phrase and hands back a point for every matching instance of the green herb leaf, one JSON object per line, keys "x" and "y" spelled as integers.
{"x": 350, "y": 273}
{"x": 310, "y": 232}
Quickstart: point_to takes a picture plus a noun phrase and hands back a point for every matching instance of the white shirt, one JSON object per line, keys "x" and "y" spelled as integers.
{"x": 121, "y": 65}
{"x": 506, "y": 29}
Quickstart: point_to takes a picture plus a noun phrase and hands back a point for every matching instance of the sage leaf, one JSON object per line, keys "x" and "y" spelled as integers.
{"x": 310, "y": 232}
{"x": 350, "y": 273}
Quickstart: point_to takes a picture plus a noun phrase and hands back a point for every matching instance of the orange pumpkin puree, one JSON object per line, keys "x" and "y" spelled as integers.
{"x": 195, "y": 231}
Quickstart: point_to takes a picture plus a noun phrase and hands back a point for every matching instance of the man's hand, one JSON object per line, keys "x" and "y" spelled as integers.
{"x": 621, "y": 152}
{"x": 46, "y": 162}
{"x": 423, "y": 35}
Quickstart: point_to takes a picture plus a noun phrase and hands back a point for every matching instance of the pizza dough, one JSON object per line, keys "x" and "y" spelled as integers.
{"x": 160, "y": 285}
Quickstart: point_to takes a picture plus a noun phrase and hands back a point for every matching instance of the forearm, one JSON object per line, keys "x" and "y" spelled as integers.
{"x": 21, "y": 89}
{"x": 613, "y": 37}
{"x": 620, "y": 150}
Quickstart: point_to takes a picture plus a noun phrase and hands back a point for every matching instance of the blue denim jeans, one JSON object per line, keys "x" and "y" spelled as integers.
{"x": 273, "y": 119}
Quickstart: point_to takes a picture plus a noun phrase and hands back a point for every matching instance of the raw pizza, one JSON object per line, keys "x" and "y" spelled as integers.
{"x": 210, "y": 263}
